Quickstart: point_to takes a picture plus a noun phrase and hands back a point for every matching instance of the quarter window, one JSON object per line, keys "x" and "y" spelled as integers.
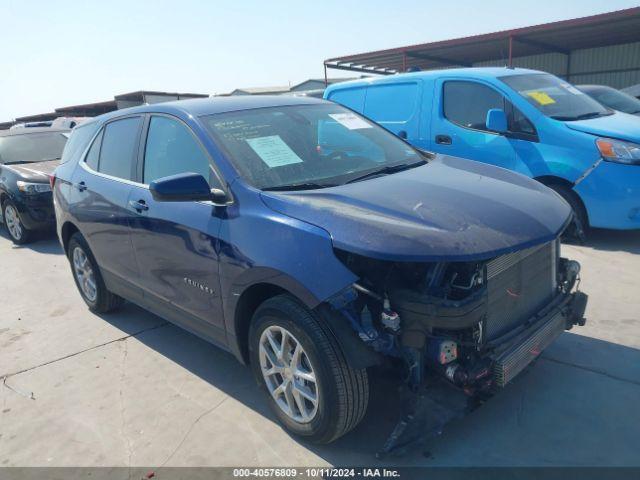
{"x": 467, "y": 103}
{"x": 119, "y": 140}
{"x": 78, "y": 141}
{"x": 518, "y": 123}
{"x": 171, "y": 149}
{"x": 94, "y": 152}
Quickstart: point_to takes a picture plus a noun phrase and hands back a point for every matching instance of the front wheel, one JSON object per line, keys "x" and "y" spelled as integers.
{"x": 579, "y": 226}
{"x": 295, "y": 357}
{"x": 17, "y": 231}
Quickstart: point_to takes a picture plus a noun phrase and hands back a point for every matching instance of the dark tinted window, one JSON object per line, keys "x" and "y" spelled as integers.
{"x": 78, "y": 141}
{"x": 467, "y": 103}
{"x": 172, "y": 149}
{"x": 32, "y": 147}
{"x": 118, "y": 147}
{"x": 94, "y": 152}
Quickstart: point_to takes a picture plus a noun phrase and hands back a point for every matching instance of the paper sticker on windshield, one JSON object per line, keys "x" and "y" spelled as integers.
{"x": 273, "y": 151}
{"x": 542, "y": 98}
{"x": 350, "y": 120}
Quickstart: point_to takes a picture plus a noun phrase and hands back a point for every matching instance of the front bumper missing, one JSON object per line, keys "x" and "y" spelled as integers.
{"x": 516, "y": 354}
{"x": 437, "y": 403}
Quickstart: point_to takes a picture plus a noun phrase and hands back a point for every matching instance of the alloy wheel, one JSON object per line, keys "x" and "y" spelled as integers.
{"x": 288, "y": 374}
{"x": 84, "y": 274}
{"x": 12, "y": 220}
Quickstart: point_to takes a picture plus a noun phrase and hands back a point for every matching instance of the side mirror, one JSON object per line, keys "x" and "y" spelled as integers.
{"x": 497, "y": 120}
{"x": 184, "y": 187}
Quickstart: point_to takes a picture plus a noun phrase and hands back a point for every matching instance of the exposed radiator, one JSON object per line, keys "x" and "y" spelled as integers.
{"x": 512, "y": 362}
{"x": 519, "y": 284}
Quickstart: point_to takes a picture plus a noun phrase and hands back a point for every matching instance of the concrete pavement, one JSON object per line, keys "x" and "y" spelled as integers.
{"x": 130, "y": 389}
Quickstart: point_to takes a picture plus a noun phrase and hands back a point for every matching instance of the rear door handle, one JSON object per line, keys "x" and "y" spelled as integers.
{"x": 443, "y": 139}
{"x": 81, "y": 186}
{"x": 139, "y": 205}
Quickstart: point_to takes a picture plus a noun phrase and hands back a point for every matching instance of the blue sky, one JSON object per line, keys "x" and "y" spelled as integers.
{"x": 65, "y": 53}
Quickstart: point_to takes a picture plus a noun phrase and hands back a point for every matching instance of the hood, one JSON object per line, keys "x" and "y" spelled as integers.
{"x": 447, "y": 210}
{"x": 622, "y": 126}
{"x": 35, "y": 172}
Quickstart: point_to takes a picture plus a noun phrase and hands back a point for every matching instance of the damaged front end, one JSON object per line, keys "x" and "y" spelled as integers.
{"x": 470, "y": 325}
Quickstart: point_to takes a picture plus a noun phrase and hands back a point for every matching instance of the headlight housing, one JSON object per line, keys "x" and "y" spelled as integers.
{"x": 30, "y": 188}
{"x": 619, "y": 151}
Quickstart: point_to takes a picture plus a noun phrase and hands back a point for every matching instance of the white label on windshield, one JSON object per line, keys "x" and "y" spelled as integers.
{"x": 350, "y": 120}
{"x": 273, "y": 151}
{"x": 572, "y": 89}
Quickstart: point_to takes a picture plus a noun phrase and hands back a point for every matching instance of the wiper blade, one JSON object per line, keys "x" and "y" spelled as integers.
{"x": 583, "y": 116}
{"x": 387, "y": 170}
{"x": 299, "y": 186}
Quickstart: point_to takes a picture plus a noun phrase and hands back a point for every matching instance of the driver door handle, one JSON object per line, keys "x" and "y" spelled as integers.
{"x": 139, "y": 205}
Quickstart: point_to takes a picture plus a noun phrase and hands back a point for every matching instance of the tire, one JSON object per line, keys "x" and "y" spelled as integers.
{"x": 342, "y": 392}
{"x": 579, "y": 227}
{"x": 13, "y": 224}
{"x": 103, "y": 301}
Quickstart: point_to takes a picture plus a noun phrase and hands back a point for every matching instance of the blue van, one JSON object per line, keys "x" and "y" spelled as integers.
{"x": 524, "y": 120}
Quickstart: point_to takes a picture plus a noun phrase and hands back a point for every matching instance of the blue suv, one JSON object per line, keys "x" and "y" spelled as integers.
{"x": 314, "y": 244}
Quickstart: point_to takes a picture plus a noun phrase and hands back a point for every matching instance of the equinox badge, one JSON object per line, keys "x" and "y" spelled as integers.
{"x": 200, "y": 286}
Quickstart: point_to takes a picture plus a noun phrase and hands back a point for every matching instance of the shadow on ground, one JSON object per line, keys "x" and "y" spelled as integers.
{"x": 44, "y": 242}
{"x": 576, "y": 405}
{"x": 614, "y": 240}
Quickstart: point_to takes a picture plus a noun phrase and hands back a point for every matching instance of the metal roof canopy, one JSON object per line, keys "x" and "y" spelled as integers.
{"x": 98, "y": 108}
{"x": 605, "y": 29}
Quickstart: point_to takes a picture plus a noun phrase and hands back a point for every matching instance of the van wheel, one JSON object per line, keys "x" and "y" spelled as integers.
{"x": 86, "y": 274}
{"x": 312, "y": 390}
{"x": 17, "y": 231}
{"x": 579, "y": 226}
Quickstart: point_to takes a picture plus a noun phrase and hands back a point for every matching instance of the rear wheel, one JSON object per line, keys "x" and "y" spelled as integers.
{"x": 89, "y": 281}
{"x": 17, "y": 231}
{"x": 310, "y": 386}
{"x": 579, "y": 226}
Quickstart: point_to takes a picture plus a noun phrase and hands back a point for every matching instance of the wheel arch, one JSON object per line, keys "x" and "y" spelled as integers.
{"x": 248, "y": 302}
{"x": 356, "y": 352}
{"x": 548, "y": 180}
{"x": 66, "y": 232}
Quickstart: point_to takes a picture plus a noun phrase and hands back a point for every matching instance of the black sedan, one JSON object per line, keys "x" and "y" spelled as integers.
{"x": 27, "y": 157}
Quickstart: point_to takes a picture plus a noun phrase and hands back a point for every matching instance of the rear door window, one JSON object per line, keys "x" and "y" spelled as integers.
{"x": 119, "y": 147}
{"x": 467, "y": 103}
{"x": 171, "y": 149}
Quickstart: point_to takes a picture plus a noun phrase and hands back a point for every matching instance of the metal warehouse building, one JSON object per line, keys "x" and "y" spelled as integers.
{"x": 601, "y": 49}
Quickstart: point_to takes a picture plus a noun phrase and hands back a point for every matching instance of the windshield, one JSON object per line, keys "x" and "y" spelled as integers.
{"x": 615, "y": 99}
{"x": 554, "y": 97}
{"x": 308, "y": 146}
{"x": 32, "y": 147}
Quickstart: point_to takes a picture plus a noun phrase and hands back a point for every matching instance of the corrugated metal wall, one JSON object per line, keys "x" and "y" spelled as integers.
{"x": 617, "y": 66}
